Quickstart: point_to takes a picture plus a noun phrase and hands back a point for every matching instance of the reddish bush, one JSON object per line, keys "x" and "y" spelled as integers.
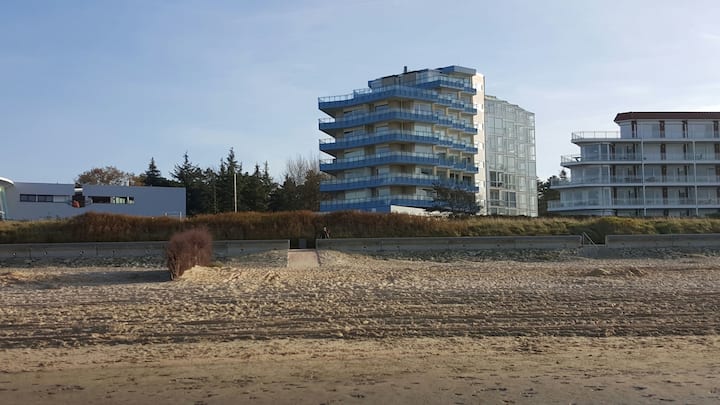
{"x": 187, "y": 249}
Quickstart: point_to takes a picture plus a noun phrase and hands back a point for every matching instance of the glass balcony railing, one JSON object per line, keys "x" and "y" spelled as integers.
{"x": 656, "y": 137}
{"x": 445, "y": 81}
{"x": 397, "y": 114}
{"x": 432, "y": 80}
{"x": 635, "y": 203}
{"x": 394, "y": 180}
{"x": 425, "y": 137}
{"x": 407, "y": 200}
{"x": 645, "y": 158}
{"x": 582, "y": 135}
{"x": 648, "y": 180}
{"x": 428, "y": 159}
{"x": 573, "y": 159}
{"x": 363, "y": 96}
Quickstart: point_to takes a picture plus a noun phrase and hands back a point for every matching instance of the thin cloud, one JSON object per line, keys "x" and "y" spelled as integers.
{"x": 710, "y": 37}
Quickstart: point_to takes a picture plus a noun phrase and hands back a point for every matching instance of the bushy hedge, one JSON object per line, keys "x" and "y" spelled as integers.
{"x": 94, "y": 227}
{"x": 187, "y": 249}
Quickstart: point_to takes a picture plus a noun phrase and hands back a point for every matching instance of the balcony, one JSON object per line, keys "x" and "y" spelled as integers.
{"x": 649, "y": 138}
{"x": 658, "y": 158}
{"x": 395, "y": 114}
{"x": 595, "y": 136}
{"x": 386, "y": 158}
{"x": 380, "y": 204}
{"x": 635, "y": 203}
{"x": 398, "y": 179}
{"x": 648, "y": 181}
{"x": 422, "y": 137}
{"x": 647, "y": 158}
{"x": 364, "y": 96}
{"x": 617, "y": 159}
{"x": 448, "y": 82}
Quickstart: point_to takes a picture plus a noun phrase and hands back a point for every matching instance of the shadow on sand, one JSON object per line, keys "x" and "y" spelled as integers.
{"x": 87, "y": 278}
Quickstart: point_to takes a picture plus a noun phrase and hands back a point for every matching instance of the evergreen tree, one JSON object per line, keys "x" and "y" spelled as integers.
{"x": 454, "y": 200}
{"x": 153, "y": 177}
{"x": 286, "y": 197}
{"x": 209, "y": 196}
{"x": 191, "y": 177}
{"x": 229, "y": 184}
{"x": 545, "y": 193}
{"x": 253, "y": 197}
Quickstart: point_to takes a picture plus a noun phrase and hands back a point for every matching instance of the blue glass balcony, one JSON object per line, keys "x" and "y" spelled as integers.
{"x": 377, "y": 204}
{"x": 363, "y": 96}
{"x": 421, "y": 137}
{"x": 444, "y": 81}
{"x": 395, "y": 114}
{"x": 386, "y": 158}
{"x": 394, "y": 180}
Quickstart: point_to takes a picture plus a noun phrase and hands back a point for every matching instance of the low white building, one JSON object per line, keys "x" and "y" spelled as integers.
{"x": 31, "y": 201}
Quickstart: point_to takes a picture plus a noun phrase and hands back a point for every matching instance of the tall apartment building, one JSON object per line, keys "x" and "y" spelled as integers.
{"x": 394, "y": 141}
{"x": 658, "y": 164}
{"x": 510, "y": 159}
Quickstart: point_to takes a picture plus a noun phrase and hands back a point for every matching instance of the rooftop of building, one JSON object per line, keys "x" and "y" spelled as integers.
{"x": 667, "y": 115}
{"x": 446, "y": 70}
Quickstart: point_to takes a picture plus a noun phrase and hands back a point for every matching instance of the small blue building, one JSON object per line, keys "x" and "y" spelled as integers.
{"x": 32, "y": 201}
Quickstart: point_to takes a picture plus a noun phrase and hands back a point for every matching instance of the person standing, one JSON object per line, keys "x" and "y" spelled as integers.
{"x": 325, "y": 233}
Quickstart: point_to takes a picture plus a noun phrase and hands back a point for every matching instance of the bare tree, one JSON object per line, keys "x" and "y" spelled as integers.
{"x": 297, "y": 168}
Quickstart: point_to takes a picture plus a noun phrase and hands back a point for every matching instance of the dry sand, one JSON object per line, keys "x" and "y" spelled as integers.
{"x": 357, "y": 329}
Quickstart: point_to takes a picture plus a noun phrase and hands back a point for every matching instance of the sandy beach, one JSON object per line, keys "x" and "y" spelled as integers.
{"x": 360, "y": 329}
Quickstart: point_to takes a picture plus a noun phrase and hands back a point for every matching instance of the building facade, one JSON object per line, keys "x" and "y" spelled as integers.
{"x": 658, "y": 164}
{"x": 510, "y": 160}
{"x": 33, "y": 201}
{"x": 4, "y": 184}
{"x": 405, "y": 134}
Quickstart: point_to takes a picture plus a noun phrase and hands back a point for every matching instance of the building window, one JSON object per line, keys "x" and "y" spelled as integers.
{"x": 100, "y": 200}
{"x": 45, "y": 198}
{"x": 28, "y": 197}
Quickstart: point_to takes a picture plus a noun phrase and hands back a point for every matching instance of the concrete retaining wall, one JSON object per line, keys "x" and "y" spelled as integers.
{"x": 459, "y": 243}
{"x": 708, "y": 240}
{"x": 237, "y": 248}
{"x": 231, "y": 248}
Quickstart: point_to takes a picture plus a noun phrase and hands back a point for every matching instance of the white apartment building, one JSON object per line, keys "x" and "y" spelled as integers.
{"x": 658, "y": 164}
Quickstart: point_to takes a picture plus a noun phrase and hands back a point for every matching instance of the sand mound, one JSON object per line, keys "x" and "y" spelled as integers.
{"x": 18, "y": 278}
{"x": 599, "y": 273}
{"x": 619, "y": 272}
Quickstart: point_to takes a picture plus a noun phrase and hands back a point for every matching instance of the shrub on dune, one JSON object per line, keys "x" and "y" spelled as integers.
{"x": 188, "y": 249}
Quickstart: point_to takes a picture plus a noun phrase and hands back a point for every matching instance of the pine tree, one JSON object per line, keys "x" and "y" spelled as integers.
{"x": 191, "y": 177}
{"x": 286, "y": 197}
{"x": 153, "y": 177}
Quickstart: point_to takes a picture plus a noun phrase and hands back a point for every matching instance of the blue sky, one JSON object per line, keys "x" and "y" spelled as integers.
{"x": 94, "y": 83}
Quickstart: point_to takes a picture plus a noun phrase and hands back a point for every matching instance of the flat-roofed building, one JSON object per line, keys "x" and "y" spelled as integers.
{"x": 31, "y": 201}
